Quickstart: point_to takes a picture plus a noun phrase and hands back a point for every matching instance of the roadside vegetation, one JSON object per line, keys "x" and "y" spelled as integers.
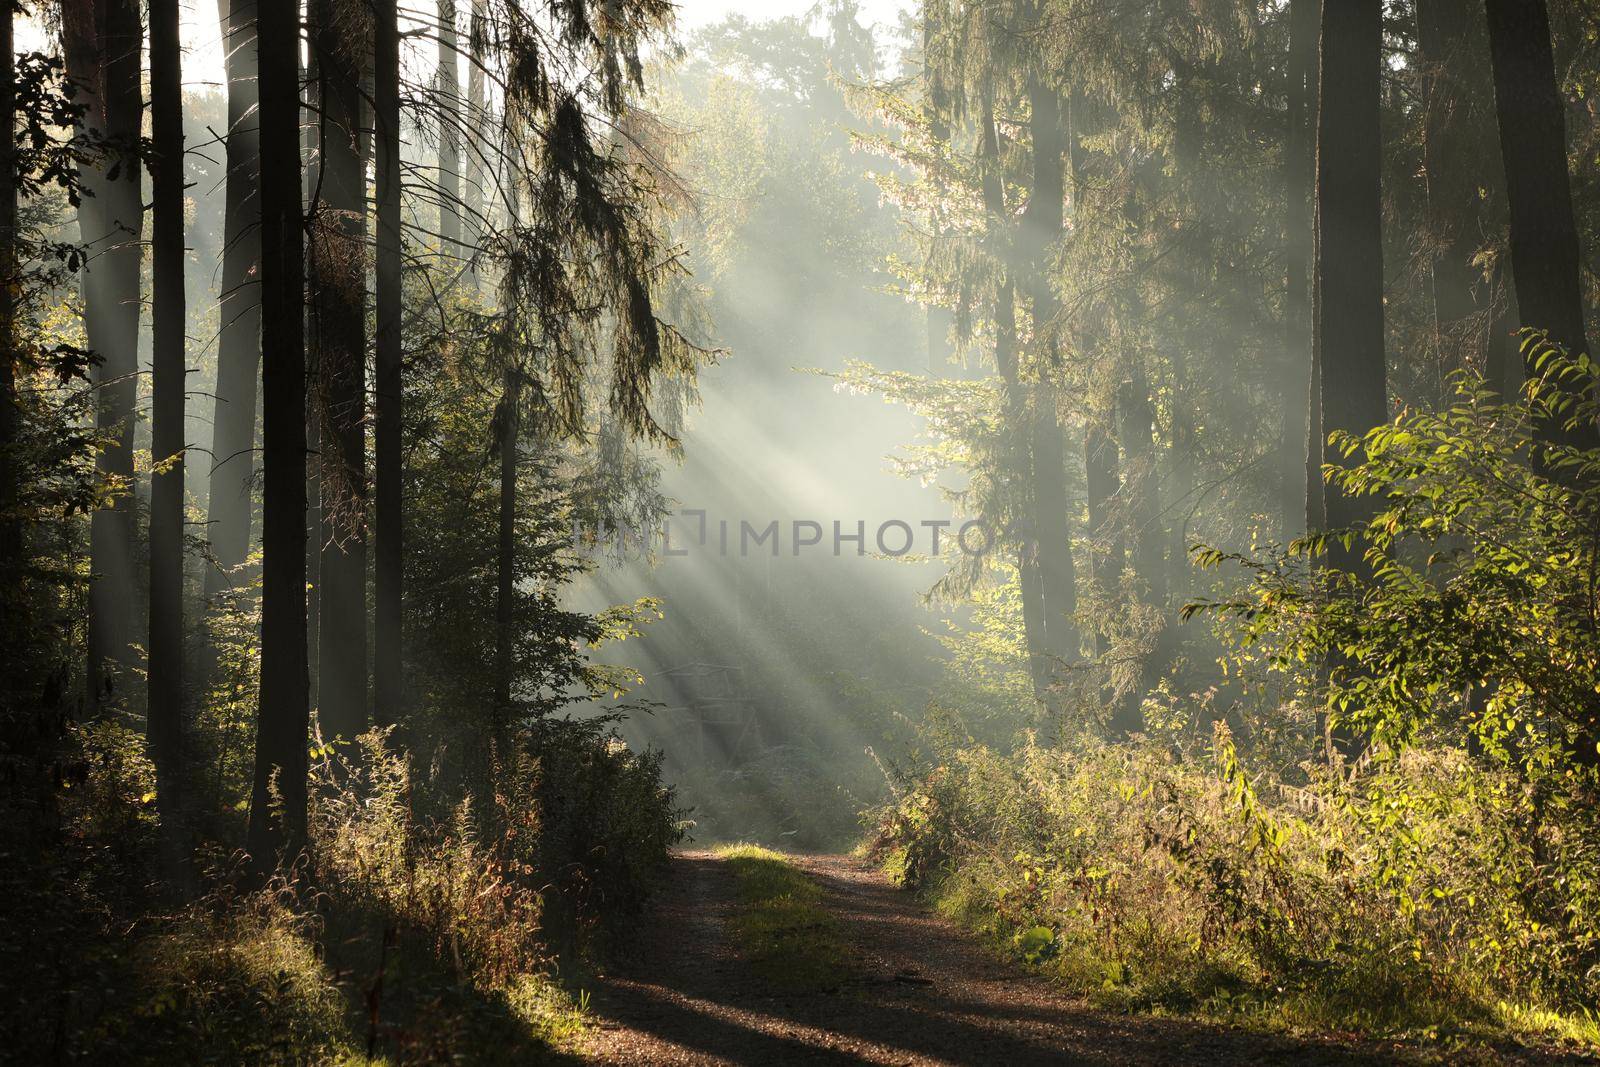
{"x": 1443, "y": 885}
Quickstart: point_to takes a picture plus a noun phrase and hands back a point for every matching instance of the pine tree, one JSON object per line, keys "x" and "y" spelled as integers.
{"x": 278, "y": 799}
{"x": 164, "y": 707}
{"x": 1348, "y": 308}
{"x": 239, "y": 307}
{"x": 1544, "y": 236}
{"x": 102, "y": 41}
{"x": 388, "y": 522}
{"x": 338, "y": 323}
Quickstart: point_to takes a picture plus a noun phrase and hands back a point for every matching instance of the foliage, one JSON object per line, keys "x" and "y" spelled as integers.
{"x": 1446, "y": 882}
{"x": 1149, "y": 880}
{"x": 1479, "y": 616}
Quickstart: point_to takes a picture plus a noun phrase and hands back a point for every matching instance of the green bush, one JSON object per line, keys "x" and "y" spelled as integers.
{"x": 1436, "y": 869}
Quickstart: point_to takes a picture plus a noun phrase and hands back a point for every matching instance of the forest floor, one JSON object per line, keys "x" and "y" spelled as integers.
{"x": 912, "y": 989}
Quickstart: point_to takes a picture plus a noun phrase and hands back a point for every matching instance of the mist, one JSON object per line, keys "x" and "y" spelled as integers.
{"x": 917, "y": 531}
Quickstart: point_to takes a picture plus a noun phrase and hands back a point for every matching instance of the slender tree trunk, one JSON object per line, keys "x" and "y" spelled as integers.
{"x": 937, "y": 112}
{"x": 1138, "y": 429}
{"x": 1458, "y": 147}
{"x": 1101, "y": 480}
{"x": 1316, "y": 517}
{"x": 239, "y": 307}
{"x": 1304, "y": 16}
{"x": 164, "y": 708}
{"x": 338, "y": 317}
{"x": 103, "y": 39}
{"x": 1044, "y": 225}
{"x": 1348, "y": 355}
{"x": 1030, "y": 588}
{"x": 449, "y": 131}
{"x": 11, "y": 541}
{"x": 505, "y": 561}
{"x": 388, "y": 662}
{"x": 1544, "y": 236}
{"x": 1143, "y": 489}
{"x": 278, "y": 800}
{"x": 1349, "y": 275}
{"x": 477, "y": 122}
{"x": 311, "y": 182}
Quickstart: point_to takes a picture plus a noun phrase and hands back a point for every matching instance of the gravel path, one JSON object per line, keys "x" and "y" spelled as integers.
{"x": 918, "y": 992}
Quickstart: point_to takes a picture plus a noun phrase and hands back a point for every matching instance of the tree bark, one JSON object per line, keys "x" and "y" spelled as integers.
{"x": 11, "y": 541}
{"x": 164, "y": 707}
{"x": 388, "y": 661}
{"x": 449, "y": 131}
{"x": 936, "y": 110}
{"x": 1030, "y": 589}
{"x": 310, "y": 189}
{"x": 505, "y": 559}
{"x": 102, "y": 41}
{"x": 1458, "y": 147}
{"x": 1101, "y": 481}
{"x": 1349, "y": 265}
{"x": 1544, "y": 236}
{"x": 1298, "y": 165}
{"x": 239, "y": 308}
{"x": 278, "y": 801}
{"x": 477, "y": 122}
{"x": 1044, "y": 225}
{"x": 338, "y": 321}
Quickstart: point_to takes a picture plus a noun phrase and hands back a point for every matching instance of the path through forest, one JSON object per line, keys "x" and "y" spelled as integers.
{"x": 917, "y": 991}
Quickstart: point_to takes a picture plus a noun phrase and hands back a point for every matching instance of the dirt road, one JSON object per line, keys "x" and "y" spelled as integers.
{"x": 918, "y": 991}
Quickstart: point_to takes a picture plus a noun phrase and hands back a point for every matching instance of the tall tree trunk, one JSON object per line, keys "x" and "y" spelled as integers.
{"x": 1044, "y": 225}
{"x": 936, "y": 110}
{"x": 1544, "y": 237}
{"x": 1138, "y": 431}
{"x": 1457, "y": 143}
{"x": 1030, "y": 589}
{"x": 338, "y": 317}
{"x": 102, "y": 43}
{"x": 1142, "y": 486}
{"x": 1101, "y": 481}
{"x": 11, "y": 541}
{"x": 1298, "y": 163}
{"x": 449, "y": 131}
{"x": 311, "y": 132}
{"x": 477, "y": 122}
{"x": 164, "y": 707}
{"x": 505, "y": 560}
{"x": 1348, "y": 359}
{"x": 1349, "y": 271}
{"x": 239, "y": 307}
{"x": 278, "y": 800}
{"x": 388, "y": 662}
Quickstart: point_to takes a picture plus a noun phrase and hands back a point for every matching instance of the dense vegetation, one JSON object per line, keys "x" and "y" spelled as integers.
{"x": 1251, "y": 332}
{"x": 1316, "y": 745}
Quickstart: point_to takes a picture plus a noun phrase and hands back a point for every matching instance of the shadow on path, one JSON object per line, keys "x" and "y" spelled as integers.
{"x": 919, "y": 991}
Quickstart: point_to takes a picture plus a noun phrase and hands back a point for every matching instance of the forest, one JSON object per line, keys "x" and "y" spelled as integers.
{"x": 816, "y": 531}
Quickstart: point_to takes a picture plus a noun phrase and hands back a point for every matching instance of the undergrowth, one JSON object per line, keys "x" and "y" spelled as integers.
{"x": 406, "y": 938}
{"x": 1414, "y": 904}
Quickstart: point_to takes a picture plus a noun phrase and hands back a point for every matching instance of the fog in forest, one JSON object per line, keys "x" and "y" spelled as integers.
{"x": 715, "y": 532}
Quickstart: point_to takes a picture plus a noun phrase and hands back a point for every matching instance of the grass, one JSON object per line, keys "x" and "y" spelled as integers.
{"x": 1225, "y": 988}
{"x": 782, "y": 928}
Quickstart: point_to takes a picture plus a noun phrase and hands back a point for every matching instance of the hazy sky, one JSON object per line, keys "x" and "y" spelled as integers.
{"x": 202, "y": 60}
{"x": 693, "y": 13}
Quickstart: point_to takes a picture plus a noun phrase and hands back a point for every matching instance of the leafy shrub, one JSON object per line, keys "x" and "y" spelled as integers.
{"x": 1439, "y": 869}
{"x": 1149, "y": 879}
{"x": 242, "y": 984}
